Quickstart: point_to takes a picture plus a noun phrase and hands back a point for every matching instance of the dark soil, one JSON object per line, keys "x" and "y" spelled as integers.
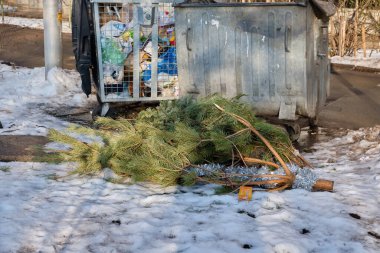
{"x": 24, "y": 148}
{"x": 25, "y": 47}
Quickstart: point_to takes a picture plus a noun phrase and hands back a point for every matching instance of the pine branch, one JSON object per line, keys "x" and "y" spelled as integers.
{"x": 162, "y": 142}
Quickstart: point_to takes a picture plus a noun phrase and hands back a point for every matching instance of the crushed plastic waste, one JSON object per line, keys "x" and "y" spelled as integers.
{"x": 113, "y": 28}
{"x": 113, "y": 73}
{"x": 167, "y": 63}
{"x": 114, "y": 51}
{"x": 116, "y": 45}
{"x": 117, "y": 42}
{"x": 166, "y": 16}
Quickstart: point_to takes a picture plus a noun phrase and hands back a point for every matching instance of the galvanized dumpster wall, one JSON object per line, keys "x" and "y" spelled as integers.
{"x": 274, "y": 53}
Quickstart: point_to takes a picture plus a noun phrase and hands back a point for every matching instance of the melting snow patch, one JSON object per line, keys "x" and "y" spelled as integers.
{"x": 371, "y": 61}
{"x": 33, "y": 23}
{"x": 25, "y": 95}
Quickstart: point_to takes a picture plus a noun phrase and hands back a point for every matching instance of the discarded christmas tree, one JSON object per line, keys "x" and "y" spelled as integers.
{"x": 164, "y": 144}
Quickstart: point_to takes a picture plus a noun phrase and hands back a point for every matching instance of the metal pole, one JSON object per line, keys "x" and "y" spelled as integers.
{"x": 2, "y": 10}
{"x": 52, "y": 34}
{"x": 356, "y": 28}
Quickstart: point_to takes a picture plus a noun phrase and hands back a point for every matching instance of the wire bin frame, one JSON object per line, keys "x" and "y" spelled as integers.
{"x": 136, "y": 50}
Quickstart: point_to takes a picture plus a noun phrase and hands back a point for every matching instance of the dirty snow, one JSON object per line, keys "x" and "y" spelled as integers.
{"x": 34, "y": 23}
{"x": 371, "y": 61}
{"x": 26, "y": 96}
{"x": 43, "y": 210}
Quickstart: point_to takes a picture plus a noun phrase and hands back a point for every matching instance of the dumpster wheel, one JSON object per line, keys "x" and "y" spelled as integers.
{"x": 294, "y": 131}
{"x": 292, "y": 128}
{"x": 313, "y": 123}
{"x": 101, "y": 110}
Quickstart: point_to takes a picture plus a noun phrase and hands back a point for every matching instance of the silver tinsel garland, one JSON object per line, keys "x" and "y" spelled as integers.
{"x": 305, "y": 178}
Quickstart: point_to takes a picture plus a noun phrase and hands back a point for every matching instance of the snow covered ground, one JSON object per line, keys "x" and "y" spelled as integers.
{"x": 41, "y": 211}
{"x": 32, "y": 23}
{"x": 25, "y": 96}
{"x": 371, "y": 61}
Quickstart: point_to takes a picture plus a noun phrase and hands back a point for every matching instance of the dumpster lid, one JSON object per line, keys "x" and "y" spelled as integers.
{"x": 326, "y": 8}
{"x": 322, "y": 8}
{"x": 223, "y": 3}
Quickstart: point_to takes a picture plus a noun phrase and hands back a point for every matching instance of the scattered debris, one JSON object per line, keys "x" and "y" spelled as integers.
{"x": 247, "y": 246}
{"x": 245, "y": 193}
{"x": 252, "y": 215}
{"x": 116, "y": 222}
{"x": 376, "y": 235}
{"x": 355, "y": 216}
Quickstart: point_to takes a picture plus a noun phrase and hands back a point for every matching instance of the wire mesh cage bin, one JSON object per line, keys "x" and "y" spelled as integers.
{"x": 136, "y": 51}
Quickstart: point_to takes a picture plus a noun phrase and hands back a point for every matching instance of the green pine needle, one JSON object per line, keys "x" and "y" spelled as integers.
{"x": 163, "y": 141}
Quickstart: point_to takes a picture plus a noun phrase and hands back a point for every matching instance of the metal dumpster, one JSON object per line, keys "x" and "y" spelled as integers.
{"x": 276, "y": 54}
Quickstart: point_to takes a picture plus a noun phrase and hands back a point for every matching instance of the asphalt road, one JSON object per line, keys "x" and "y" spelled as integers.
{"x": 354, "y": 100}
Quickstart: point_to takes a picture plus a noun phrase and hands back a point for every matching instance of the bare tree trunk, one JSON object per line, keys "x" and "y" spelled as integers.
{"x": 364, "y": 45}
{"x": 332, "y": 35}
{"x": 342, "y": 35}
{"x": 356, "y": 27}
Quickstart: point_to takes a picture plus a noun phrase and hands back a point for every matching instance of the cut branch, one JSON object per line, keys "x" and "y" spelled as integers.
{"x": 250, "y": 161}
{"x": 262, "y": 138}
